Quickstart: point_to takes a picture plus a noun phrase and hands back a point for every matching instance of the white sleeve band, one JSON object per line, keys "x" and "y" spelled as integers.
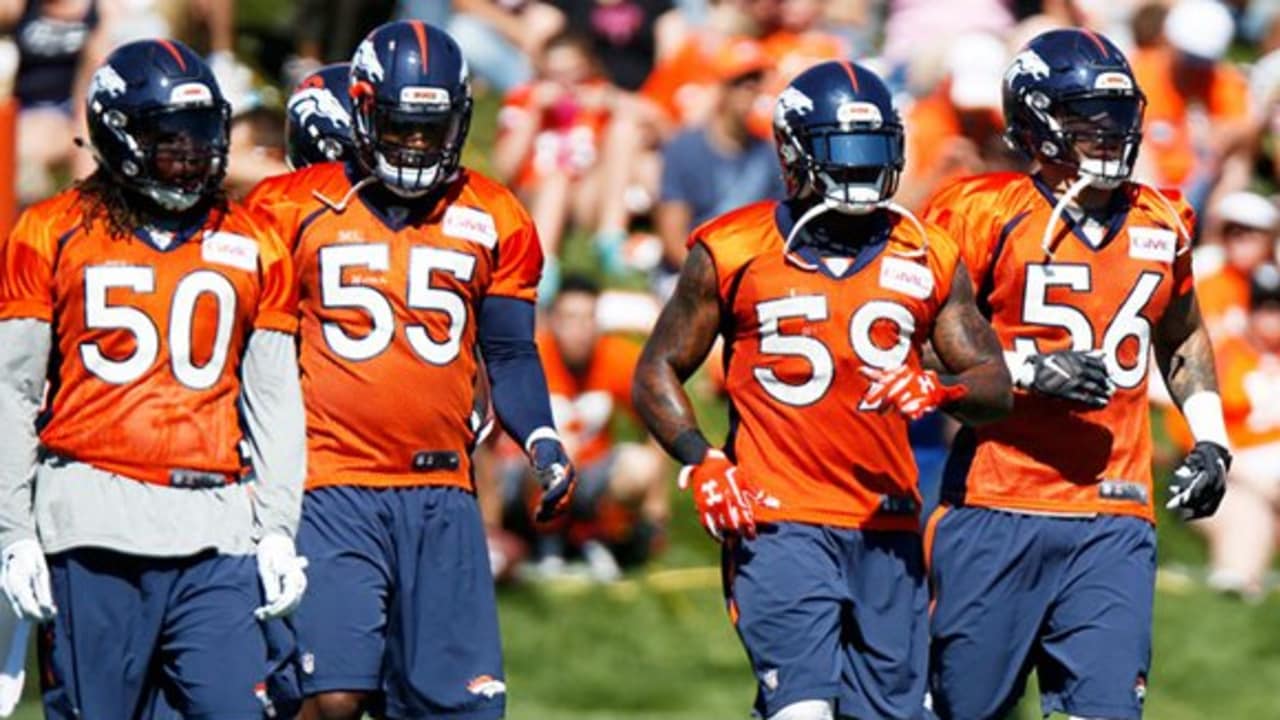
{"x": 1203, "y": 411}
{"x": 542, "y": 433}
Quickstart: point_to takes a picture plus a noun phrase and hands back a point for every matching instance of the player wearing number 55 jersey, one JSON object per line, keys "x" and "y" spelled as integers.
{"x": 824, "y": 302}
{"x": 406, "y": 262}
{"x": 1044, "y": 554}
{"x": 163, "y": 317}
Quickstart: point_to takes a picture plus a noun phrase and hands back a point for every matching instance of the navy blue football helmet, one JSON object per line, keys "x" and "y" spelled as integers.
{"x": 318, "y": 118}
{"x": 412, "y": 106}
{"x": 839, "y": 137}
{"x": 158, "y": 122}
{"x": 1070, "y": 99}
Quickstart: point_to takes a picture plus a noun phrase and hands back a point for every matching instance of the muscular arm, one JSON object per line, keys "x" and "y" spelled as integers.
{"x": 680, "y": 342}
{"x": 24, "y": 356}
{"x": 1183, "y": 351}
{"x": 967, "y": 347}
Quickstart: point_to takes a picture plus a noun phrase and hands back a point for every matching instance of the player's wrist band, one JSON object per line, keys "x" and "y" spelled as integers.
{"x": 690, "y": 447}
{"x": 542, "y": 433}
{"x": 1203, "y": 411}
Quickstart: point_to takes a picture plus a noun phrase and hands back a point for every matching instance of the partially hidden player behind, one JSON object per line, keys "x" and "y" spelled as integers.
{"x": 163, "y": 316}
{"x": 318, "y": 118}
{"x": 406, "y": 261}
{"x": 1044, "y": 553}
{"x": 825, "y": 302}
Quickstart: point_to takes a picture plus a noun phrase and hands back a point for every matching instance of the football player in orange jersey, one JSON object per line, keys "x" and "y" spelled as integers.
{"x": 406, "y": 261}
{"x": 163, "y": 316}
{"x": 1044, "y": 551}
{"x": 825, "y": 302}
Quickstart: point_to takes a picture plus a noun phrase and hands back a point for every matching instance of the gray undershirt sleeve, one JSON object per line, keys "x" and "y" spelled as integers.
{"x": 24, "y": 358}
{"x": 271, "y": 404}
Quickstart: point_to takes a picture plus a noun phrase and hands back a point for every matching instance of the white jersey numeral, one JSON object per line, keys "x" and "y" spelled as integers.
{"x": 99, "y": 315}
{"x": 335, "y": 260}
{"x": 813, "y": 308}
{"x": 1128, "y": 321}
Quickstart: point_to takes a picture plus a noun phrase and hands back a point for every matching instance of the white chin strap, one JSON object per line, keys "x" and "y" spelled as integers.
{"x": 830, "y": 205}
{"x": 403, "y": 181}
{"x": 1083, "y": 181}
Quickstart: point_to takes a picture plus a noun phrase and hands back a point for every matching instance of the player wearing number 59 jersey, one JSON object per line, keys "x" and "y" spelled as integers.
{"x": 824, "y": 303}
{"x": 1044, "y": 552}
{"x": 163, "y": 316}
{"x": 406, "y": 262}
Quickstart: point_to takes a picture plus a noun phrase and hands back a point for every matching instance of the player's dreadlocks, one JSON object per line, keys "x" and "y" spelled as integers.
{"x": 105, "y": 199}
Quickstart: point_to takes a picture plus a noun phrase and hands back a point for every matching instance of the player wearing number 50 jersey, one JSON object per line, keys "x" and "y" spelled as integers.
{"x": 406, "y": 262}
{"x": 1044, "y": 551}
{"x": 824, "y": 302}
{"x": 163, "y": 317}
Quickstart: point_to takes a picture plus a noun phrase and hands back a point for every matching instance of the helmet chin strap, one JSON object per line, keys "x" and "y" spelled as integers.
{"x": 830, "y": 205}
{"x": 1083, "y": 181}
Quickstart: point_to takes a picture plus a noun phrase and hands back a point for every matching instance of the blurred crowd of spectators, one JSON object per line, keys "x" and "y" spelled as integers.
{"x": 622, "y": 124}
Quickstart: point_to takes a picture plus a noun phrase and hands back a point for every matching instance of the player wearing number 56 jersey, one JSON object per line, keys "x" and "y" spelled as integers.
{"x": 163, "y": 317}
{"x": 406, "y": 262}
{"x": 1044, "y": 551}
{"x": 824, "y": 303}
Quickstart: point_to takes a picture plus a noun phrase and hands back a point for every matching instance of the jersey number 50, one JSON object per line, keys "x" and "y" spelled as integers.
{"x": 813, "y": 308}
{"x": 99, "y": 279}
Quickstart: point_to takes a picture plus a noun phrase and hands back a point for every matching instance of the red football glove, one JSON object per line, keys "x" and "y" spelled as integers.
{"x": 913, "y": 393}
{"x": 726, "y": 501}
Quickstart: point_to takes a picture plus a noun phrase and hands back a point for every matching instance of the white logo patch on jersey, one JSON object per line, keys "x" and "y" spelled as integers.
{"x": 471, "y": 224}
{"x": 366, "y": 60}
{"x": 1155, "y": 244}
{"x": 1027, "y": 63}
{"x": 230, "y": 249}
{"x": 906, "y": 277}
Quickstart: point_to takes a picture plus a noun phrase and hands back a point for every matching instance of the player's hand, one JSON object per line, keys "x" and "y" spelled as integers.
{"x": 25, "y": 578}
{"x": 555, "y": 475}
{"x": 726, "y": 501}
{"x": 1080, "y": 376}
{"x": 1200, "y": 481}
{"x": 283, "y": 575}
{"x": 913, "y": 393}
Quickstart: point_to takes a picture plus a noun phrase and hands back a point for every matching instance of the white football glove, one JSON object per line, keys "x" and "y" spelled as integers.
{"x": 25, "y": 580}
{"x": 283, "y": 576}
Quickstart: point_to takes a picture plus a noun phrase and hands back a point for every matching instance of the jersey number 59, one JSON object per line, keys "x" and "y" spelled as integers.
{"x": 813, "y": 308}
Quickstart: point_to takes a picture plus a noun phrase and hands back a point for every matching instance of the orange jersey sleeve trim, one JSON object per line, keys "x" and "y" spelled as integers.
{"x": 26, "y": 270}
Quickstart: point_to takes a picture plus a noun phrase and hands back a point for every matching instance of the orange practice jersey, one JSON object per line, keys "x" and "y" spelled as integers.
{"x": 583, "y": 404}
{"x": 1250, "y": 384}
{"x": 1050, "y": 455}
{"x": 795, "y": 339}
{"x": 388, "y": 320}
{"x": 147, "y": 342}
{"x": 569, "y": 137}
{"x": 1223, "y": 297}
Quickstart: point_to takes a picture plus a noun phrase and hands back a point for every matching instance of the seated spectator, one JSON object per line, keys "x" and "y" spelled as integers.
{"x": 630, "y": 36}
{"x": 549, "y": 136}
{"x": 621, "y": 506}
{"x": 1243, "y": 533}
{"x": 1241, "y": 238}
{"x": 957, "y": 129}
{"x": 721, "y": 165}
{"x": 1198, "y": 128}
{"x": 55, "y": 40}
{"x": 501, "y": 37}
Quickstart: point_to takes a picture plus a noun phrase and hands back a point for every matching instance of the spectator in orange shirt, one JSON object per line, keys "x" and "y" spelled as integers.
{"x": 796, "y": 44}
{"x": 957, "y": 129}
{"x": 1242, "y": 238}
{"x": 1243, "y": 534}
{"x": 1198, "y": 132}
{"x": 620, "y": 507}
{"x": 549, "y": 135}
